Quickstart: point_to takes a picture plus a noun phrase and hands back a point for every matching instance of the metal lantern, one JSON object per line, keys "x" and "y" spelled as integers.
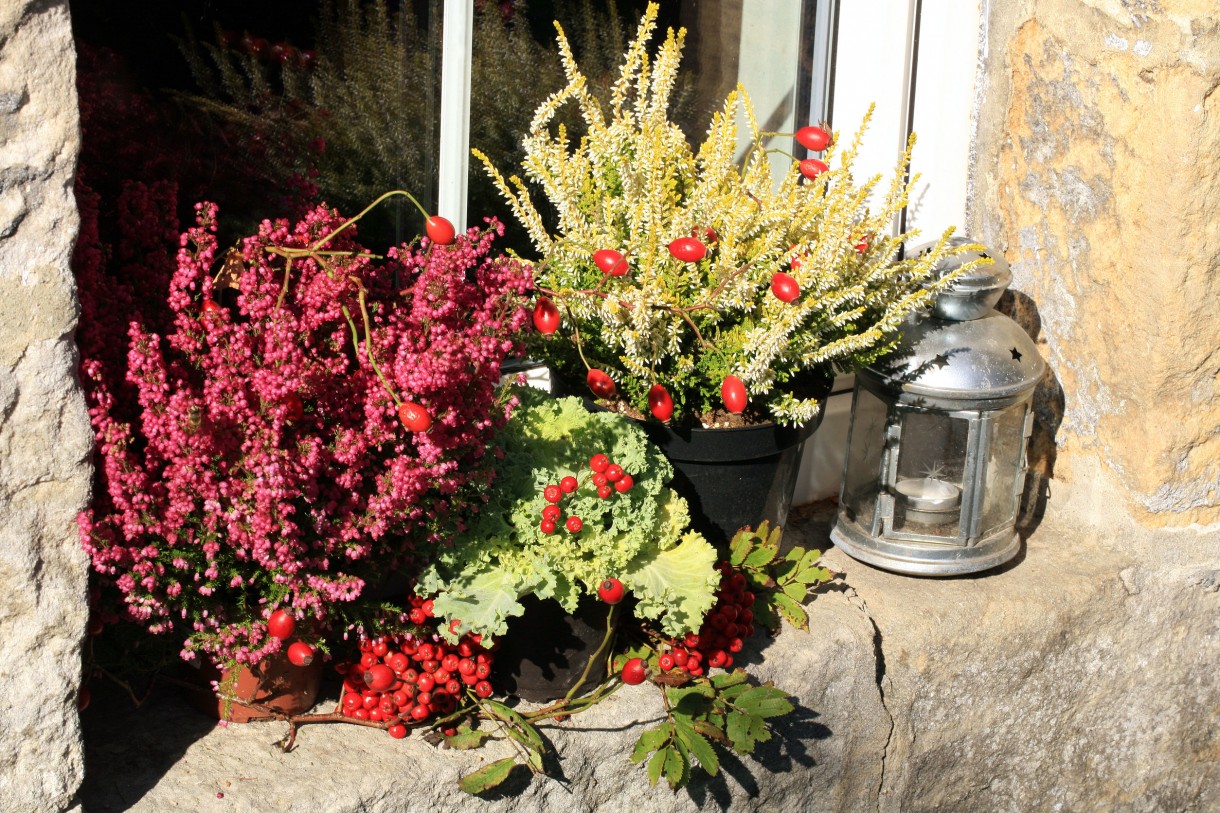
{"x": 936, "y": 453}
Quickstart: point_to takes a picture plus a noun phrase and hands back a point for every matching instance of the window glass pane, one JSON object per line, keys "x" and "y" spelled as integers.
{"x": 928, "y": 486}
{"x": 865, "y": 450}
{"x": 1004, "y": 460}
{"x": 268, "y": 107}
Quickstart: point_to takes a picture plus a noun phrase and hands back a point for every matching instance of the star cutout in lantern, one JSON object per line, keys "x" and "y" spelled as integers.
{"x": 1016, "y": 354}
{"x": 940, "y": 361}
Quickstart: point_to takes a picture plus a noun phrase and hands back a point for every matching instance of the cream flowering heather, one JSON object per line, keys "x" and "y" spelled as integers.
{"x": 676, "y": 281}
{"x": 305, "y": 441}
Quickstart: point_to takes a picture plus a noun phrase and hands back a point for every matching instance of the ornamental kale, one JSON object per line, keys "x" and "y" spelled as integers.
{"x": 639, "y": 535}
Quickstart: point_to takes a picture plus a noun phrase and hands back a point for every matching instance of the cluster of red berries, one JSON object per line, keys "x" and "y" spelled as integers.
{"x": 723, "y": 633}
{"x": 607, "y": 478}
{"x": 407, "y": 680}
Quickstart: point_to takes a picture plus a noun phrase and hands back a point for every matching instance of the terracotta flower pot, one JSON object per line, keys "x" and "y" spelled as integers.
{"x": 274, "y": 683}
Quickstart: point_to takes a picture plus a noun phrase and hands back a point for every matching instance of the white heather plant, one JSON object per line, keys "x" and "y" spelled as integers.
{"x": 666, "y": 265}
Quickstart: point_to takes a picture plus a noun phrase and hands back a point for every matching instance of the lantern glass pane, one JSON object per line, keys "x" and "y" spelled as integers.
{"x": 1004, "y": 460}
{"x": 865, "y": 447}
{"x": 928, "y": 483}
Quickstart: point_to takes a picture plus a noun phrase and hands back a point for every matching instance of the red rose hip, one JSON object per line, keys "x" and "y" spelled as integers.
{"x": 546, "y": 316}
{"x": 733, "y": 393}
{"x": 610, "y": 590}
{"x": 281, "y": 624}
{"x": 660, "y": 404}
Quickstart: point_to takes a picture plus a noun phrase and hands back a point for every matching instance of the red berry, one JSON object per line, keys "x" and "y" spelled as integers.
{"x": 427, "y": 607}
{"x": 613, "y": 472}
{"x": 574, "y": 524}
{"x": 623, "y": 484}
{"x": 440, "y": 230}
{"x": 547, "y": 526}
{"x": 599, "y": 462}
{"x": 610, "y": 590}
{"x": 379, "y": 677}
{"x": 813, "y": 138}
{"x": 546, "y": 316}
{"x": 552, "y": 512}
{"x": 397, "y": 731}
{"x": 634, "y": 672}
{"x": 666, "y": 662}
{"x": 600, "y": 479}
{"x": 660, "y": 404}
{"x": 688, "y": 249}
{"x": 281, "y": 624}
{"x": 419, "y": 712}
{"x": 417, "y": 616}
{"x": 600, "y": 384}
{"x": 483, "y": 688}
{"x": 300, "y": 654}
{"x": 813, "y": 167}
{"x": 610, "y": 262}
{"x": 605, "y": 491}
{"x": 733, "y": 393}
{"x": 552, "y": 493}
{"x": 380, "y": 648}
{"x": 414, "y": 417}
{"x": 784, "y": 287}
{"x": 568, "y": 484}
{"x": 294, "y": 409}
{"x": 210, "y": 308}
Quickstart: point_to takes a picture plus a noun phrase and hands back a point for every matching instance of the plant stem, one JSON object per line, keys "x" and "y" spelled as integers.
{"x": 611, "y": 625}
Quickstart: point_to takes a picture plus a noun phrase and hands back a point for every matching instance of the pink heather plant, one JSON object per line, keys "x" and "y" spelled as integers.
{"x": 267, "y": 467}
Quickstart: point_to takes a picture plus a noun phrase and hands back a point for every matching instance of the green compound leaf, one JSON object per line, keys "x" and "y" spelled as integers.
{"x": 796, "y": 590}
{"x": 677, "y": 767}
{"x": 467, "y": 739}
{"x": 517, "y": 727}
{"x": 698, "y": 746}
{"x": 813, "y": 575}
{"x": 764, "y": 702}
{"x": 725, "y": 680}
{"x": 745, "y": 731}
{"x": 791, "y": 610}
{"x": 487, "y": 777}
{"x": 650, "y": 741}
{"x": 656, "y": 765}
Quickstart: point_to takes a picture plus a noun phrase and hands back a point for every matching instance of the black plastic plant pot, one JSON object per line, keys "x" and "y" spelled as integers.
{"x": 545, "y": 651}
{"x": 734, "y": 478}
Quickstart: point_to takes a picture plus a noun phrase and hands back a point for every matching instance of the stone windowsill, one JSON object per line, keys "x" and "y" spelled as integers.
{"x": 1080, "y": 677}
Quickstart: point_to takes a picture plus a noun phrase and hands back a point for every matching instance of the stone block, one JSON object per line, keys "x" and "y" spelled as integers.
{"x": 45, "y": 440}
{"x": 1098, "y": 128}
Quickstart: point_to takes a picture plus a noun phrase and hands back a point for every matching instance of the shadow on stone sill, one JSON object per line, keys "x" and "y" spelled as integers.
{"x": 125, "y": 757}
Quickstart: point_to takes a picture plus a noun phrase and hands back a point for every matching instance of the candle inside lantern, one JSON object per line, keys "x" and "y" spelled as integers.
{"x": 928, "y": 494}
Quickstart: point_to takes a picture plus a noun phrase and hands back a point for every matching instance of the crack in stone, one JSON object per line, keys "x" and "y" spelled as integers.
{"x": 879, "y": 676}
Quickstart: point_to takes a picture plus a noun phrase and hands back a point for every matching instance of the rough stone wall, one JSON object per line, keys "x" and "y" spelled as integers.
{"x": 45, "y": 441}
{"x": 1095, "y": 172}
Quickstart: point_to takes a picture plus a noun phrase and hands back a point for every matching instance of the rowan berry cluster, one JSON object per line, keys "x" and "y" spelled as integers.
{"x": 606, "y": 477}
{"x": 723, "y": 633}
{"x": 410, "y": 679}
